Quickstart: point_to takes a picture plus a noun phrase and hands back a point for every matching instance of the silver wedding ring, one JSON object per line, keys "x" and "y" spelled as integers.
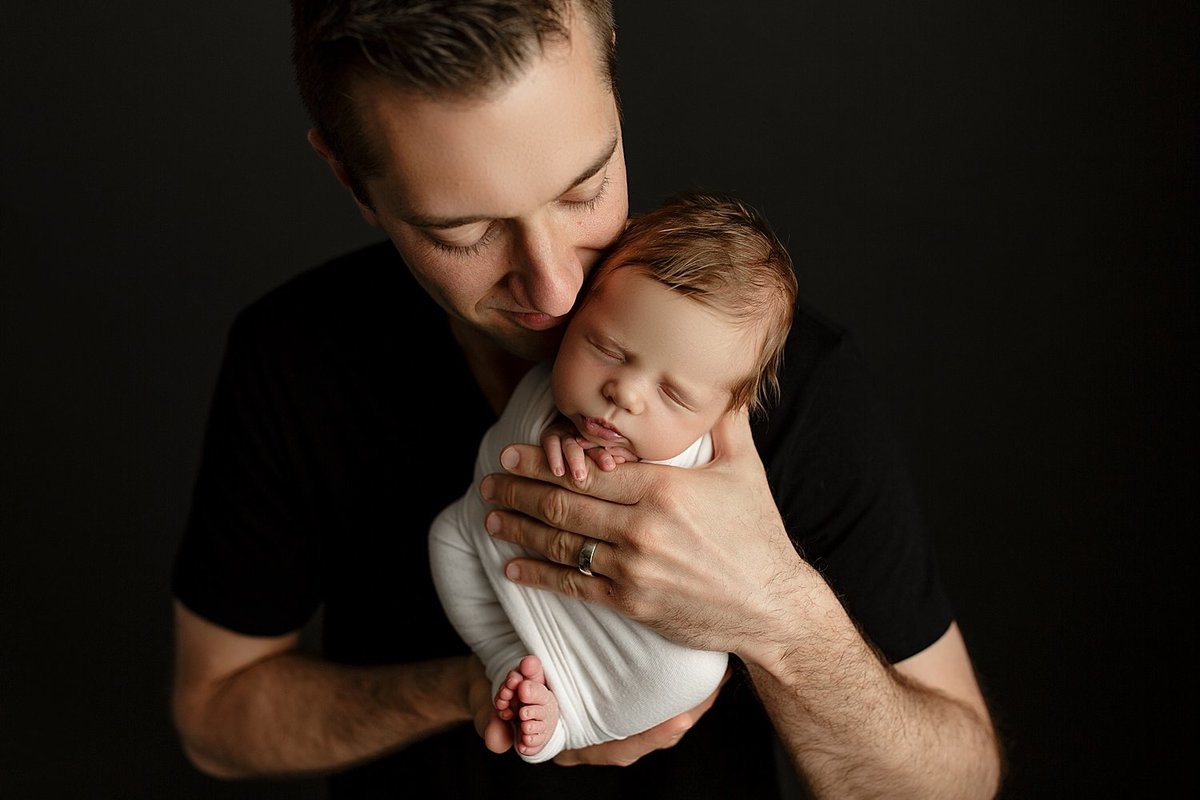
{"x": 585, "y": 556}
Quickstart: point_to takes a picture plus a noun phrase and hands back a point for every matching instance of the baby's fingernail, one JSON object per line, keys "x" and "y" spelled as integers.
{"x": 492, "y": 523}
{"x": 558, "y": 471}
{"x": 509, "y": 458}
{"x": 513, "y": 572}
{"x": 485, "y": 488}
{"x": 579, "y": 474}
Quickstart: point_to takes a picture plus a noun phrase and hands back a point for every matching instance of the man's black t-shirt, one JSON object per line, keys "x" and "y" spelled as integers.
{"x": 345, "y": 418}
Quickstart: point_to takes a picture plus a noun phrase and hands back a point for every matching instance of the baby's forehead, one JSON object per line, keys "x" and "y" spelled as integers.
{"x": 610, "y": 265}
{"x": 735, "y": 314}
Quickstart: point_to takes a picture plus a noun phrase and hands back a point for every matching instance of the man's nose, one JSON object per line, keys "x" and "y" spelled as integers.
{"x": 547, "y": 273}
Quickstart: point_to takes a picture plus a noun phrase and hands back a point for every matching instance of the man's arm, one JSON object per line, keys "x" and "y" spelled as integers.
{"x": 703, "y": 556}
{"x": 918, "y": 729}
{"x": 253, "y": 706}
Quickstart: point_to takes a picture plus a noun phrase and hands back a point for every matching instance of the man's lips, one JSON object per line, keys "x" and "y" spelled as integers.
{"x": 601, "y": 429}
{"x": 537, "y": 321}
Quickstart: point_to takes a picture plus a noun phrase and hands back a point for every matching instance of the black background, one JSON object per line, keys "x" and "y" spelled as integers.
{"x": 999, "y": 198}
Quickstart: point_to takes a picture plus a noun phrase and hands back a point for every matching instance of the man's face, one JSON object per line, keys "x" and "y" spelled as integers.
{"x": 647, "y": 368}
{"x": 500, "y": 206}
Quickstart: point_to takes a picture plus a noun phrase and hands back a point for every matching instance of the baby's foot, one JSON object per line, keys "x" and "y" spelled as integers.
{"x": 506, "y": 701}
{"x": 525, "y": 699}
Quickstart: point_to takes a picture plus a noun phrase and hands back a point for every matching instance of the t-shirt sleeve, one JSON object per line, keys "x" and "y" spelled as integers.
{"x": 247, "y": 559}
{"x": 847, "y": 498}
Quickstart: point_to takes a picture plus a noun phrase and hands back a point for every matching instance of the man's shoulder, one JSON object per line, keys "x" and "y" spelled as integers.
{"x": 822, "y": 369}
{"x": 352, "y": 276}
{"x": 365, "y": 293}
{"x": 814, "y": 340}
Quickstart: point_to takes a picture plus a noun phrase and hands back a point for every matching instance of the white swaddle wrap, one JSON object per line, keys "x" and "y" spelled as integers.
{"x": 612, "y": 677}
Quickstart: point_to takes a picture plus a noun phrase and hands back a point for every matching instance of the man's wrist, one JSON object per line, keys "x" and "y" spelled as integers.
{"x": 801, "y": 611}
{"x": 445, "y": 697}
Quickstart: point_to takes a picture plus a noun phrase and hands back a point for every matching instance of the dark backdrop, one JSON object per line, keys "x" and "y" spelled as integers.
{"x": 999, "y": 198}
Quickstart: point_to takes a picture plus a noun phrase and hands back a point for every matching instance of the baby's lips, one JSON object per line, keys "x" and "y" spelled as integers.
{"x": 601, "y": 429}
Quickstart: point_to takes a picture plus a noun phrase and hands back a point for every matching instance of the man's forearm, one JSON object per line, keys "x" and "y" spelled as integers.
{"x": 293, "y": 714}
{"x": 856, "y": 728}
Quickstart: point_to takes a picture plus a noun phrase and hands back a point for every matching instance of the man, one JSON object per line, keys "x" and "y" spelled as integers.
{"x": 484, "y": 139}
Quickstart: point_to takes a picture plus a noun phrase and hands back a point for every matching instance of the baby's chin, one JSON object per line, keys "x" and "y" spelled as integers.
{"x": 661, "y": 451}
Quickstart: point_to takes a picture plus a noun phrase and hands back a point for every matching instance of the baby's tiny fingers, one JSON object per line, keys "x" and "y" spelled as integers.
{"x": 553, "y": 446}
{"x": 576, "y": 459}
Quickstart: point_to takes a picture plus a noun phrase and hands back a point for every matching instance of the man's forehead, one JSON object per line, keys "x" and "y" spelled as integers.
{"x": 452, "y": 158}
{"x": 415, "y": 216}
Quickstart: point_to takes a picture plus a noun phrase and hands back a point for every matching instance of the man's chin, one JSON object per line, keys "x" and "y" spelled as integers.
{"x": 526, "y": 344}
{"x": 534, "y": 345}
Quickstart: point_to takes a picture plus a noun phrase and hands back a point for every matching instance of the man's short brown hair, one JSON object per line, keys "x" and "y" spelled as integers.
{"x": 450, "y": 48}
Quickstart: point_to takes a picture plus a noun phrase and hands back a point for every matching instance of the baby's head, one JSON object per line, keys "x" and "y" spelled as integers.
{"x": 684, "y": 320}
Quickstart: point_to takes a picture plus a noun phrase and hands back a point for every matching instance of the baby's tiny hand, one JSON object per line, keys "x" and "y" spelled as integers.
{"x": 560, "y": 441}
{"x": 566, "y": 449}
{"x": 552, "y": 443}
{"x": 607, "y": 458}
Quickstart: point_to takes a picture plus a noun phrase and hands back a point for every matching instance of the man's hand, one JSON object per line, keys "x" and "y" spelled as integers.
{"x": 699, "y": 554}
{"x": 626, "y": 751}
{"x": 497, "y": 734}
{"x": 702, "y": 556}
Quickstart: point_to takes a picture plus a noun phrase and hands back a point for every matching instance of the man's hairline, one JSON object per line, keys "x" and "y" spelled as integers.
{"x": 480, "y": 94}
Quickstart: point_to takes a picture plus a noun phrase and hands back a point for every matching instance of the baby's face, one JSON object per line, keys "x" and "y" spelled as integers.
{"x": 647, "y": 368}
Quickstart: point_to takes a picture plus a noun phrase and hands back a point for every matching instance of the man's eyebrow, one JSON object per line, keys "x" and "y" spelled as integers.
{"x": 595, "y": 166}
{"x": 445, "y": 223}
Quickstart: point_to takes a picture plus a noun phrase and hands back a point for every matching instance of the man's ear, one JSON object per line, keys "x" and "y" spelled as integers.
{"x": 322, "y": 149}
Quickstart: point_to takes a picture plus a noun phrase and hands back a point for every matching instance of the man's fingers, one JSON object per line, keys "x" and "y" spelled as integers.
{"x": 555, "y": 506}
{"x": 732, "y": 436}
{"x": 557, "y": 545}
